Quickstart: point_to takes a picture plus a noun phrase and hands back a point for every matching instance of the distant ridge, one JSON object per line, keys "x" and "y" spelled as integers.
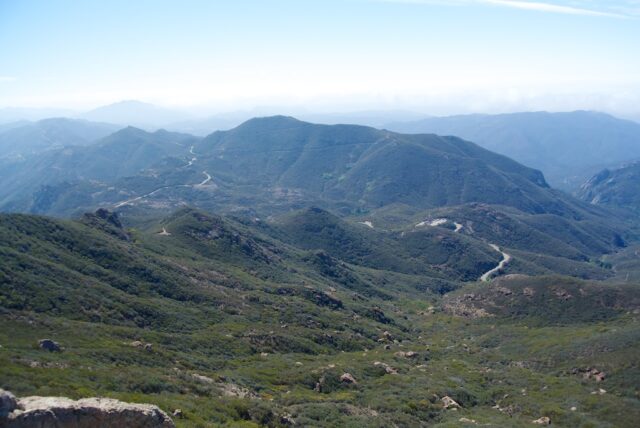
{"x": 568, "y": 147}
{"x": 135, "y": 113}
{"x": 614, "y": 187}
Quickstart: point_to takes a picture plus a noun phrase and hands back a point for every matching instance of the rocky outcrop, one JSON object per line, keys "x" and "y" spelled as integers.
{"x": 55, "y": 412}
{"x": 106, "y": 221}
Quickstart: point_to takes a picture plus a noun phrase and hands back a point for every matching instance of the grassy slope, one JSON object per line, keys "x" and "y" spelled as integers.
{"x": 224, "y": 300}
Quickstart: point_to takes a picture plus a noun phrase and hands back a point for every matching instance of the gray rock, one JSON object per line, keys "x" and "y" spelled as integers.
{"x": 8, "y": 403}
{"x": 55, "y": 412}
{"x": 348, "y": 378}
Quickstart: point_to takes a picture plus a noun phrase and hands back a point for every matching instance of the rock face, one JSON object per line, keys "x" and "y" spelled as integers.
{"x": 55, "y": 412}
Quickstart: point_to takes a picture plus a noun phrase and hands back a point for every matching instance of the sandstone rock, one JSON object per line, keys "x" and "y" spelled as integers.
{"x": 233, "y": 390}
{"x": 202, "y": 378}
{"x": 53, "y": 412}
{"x": 407, "y": 354}
{"x": 348, "y": 378}
{"x": 387, "y": 368}
{"x": 542, "y": 421}
{"x": 49, "y": 345}
{"x": 449, "y": 402}
{"x": 8, "y": 403}
{"x": 592, "y": 373}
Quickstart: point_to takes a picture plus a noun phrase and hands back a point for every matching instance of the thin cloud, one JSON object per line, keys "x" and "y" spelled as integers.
{"x": 523, "y": 5}
{"x": 549, "y": 7}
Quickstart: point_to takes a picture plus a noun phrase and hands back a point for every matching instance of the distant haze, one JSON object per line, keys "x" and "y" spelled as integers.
{"x": 433, "y": 57}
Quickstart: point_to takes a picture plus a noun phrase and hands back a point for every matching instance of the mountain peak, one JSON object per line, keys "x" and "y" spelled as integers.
{"x": 137, "y": 113}
{"x": 272, "y": 122}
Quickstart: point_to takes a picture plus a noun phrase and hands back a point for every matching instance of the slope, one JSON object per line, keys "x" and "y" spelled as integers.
{"x": 214, "y": 317}
{"x": 614, "y": 188}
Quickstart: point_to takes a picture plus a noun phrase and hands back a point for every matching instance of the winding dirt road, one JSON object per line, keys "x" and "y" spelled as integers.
{"x": 202, "y": 183}
{"x": 506, "y": 258}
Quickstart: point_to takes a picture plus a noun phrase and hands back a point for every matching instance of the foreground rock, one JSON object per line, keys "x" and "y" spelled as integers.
{"x": 8, "y": 403}
{"x": 54, "y": 412}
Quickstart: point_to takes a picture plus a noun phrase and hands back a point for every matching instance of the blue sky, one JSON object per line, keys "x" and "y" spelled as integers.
{"x": 435, "y": 55}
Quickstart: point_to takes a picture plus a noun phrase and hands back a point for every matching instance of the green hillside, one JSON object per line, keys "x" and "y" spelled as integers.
{"x": 251, "y": 324}
{"x": 77, "y": 172}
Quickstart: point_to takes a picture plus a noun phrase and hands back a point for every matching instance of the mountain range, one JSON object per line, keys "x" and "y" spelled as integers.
{"x": 19, "y": 139}
{"x": 567, "y": 147}
{"x": 351, "y": 168}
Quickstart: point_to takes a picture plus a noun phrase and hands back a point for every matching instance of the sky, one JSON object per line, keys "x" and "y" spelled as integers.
{"x": 434, "y": 56}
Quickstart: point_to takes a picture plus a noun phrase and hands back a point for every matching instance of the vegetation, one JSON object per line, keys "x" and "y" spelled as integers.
{"x": 248, "y": 328}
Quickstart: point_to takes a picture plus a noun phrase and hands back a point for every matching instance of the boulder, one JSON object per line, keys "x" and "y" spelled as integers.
{"x": 387, "y": 368}
{"x": 386, "y": 337}
{"x": 348, "y": 378}
{"x": 54, "y": 412}
{"x": 49, "y": 345}
{"x": 8, "y": 403}
{"x": 449, "y": 402}
{"x": 592, "y": 373}
{"x": 407, "y": 354}
{"x": 542, "y": 421}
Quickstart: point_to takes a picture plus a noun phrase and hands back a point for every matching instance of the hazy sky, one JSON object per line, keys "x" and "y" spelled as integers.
{"x": 439, "y": 56}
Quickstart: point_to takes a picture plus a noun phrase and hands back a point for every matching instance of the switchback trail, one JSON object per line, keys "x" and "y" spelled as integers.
{"x": 506, "y": 258}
